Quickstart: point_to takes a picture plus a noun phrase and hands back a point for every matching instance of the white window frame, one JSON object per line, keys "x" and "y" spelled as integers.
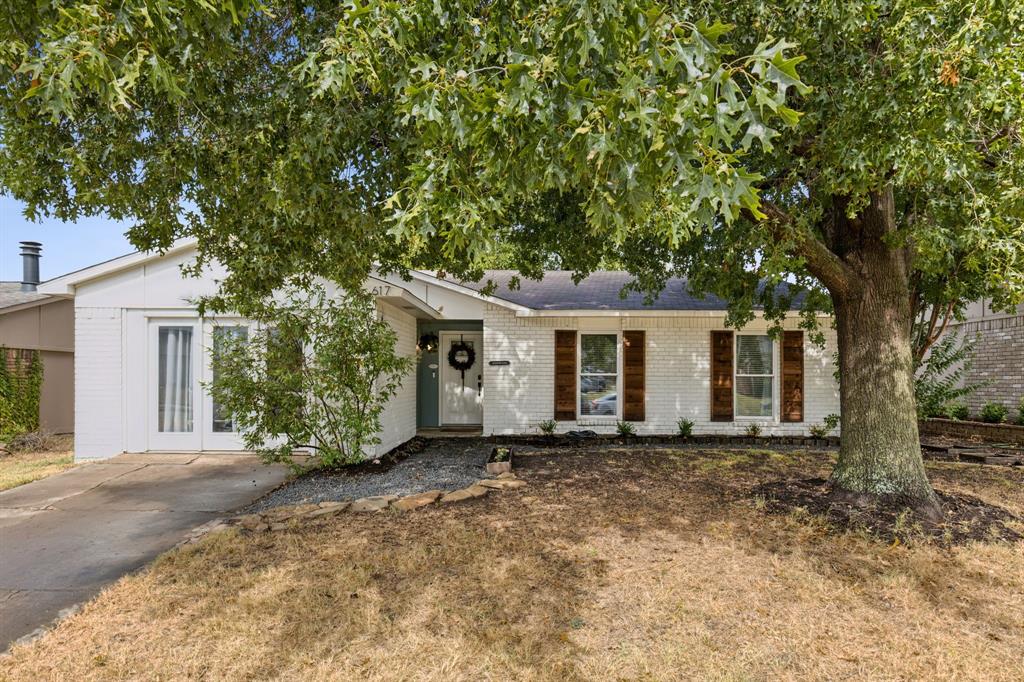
{"x": 773, "y": 417}
{"x": 599, "y": 418}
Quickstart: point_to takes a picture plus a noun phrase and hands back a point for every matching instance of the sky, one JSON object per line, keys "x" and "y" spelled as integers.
{"x": 66, "y": 246}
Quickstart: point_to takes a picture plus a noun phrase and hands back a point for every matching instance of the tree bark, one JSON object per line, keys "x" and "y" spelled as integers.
{"x": 880, "y": 451}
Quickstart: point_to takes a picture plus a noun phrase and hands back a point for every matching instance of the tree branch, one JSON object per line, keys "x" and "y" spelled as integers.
{"x": 829, "y": 268}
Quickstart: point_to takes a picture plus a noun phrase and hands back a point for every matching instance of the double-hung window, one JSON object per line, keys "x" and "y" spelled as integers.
{"x": 599, "y": 375}
{"x": 755, "y": 375}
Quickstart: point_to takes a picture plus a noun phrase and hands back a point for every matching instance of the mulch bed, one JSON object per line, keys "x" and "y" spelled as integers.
{"x": 967, "y": 519}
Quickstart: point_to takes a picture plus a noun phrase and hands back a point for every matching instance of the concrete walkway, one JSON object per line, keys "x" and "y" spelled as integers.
{"x": 64, "y": 538}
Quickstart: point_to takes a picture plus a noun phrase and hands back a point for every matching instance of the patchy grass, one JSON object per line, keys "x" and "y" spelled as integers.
{"x": 22, "y": 467}
{"x": 611, "y": 564}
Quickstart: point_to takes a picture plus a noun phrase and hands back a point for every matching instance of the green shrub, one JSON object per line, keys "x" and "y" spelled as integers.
{"x": 994, "y": 413}
{"x": 685, "y": 426}
{"x": 625, "y": 429}
{"x": 316, "y": 375}
{"x": 1020, "y": 412}
{"x": 753, "y": 430}
{"x": 547, "y": 427}
{"x": 959, "y": 412}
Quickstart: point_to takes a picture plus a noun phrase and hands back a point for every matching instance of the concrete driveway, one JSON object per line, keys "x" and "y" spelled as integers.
{"x": 64, "y": 538}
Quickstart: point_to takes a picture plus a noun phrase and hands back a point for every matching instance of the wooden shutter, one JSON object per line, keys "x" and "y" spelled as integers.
{"x": 793, "y": 376}
{"x": 633, "y": 368}
{"x": 565, "y": 375}
{"x": 721, "y": 376}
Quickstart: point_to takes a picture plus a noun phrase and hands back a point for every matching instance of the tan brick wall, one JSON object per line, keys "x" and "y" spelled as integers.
{"x": 998, "y": 361}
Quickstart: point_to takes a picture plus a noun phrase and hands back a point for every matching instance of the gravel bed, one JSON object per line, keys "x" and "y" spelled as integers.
{"x": 443, "y": 465}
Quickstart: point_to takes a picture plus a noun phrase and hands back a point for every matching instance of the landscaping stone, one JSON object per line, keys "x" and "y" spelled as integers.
{"x": 278, "y": 514}
{"x": 507, "y": 474}
{"x": 501, "y": 483}
{"x": 465, "y": 494}
{"x": 327, "y": 510}
{"x": 416, "y": 501}
{"x": 372, "y": 504}
{"x": 249, "y": 521}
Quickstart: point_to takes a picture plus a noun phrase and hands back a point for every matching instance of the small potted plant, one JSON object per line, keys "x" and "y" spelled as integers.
{"x": 500, "y": 460}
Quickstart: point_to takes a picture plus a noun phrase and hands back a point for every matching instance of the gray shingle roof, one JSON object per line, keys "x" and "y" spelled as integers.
{"x": 11, "y": 294}
{"x": 598, "y": 291}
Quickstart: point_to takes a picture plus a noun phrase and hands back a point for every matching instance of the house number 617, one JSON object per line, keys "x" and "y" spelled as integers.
{"x": 381, "y": 291}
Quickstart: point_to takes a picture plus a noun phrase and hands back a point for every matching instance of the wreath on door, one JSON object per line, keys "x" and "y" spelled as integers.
{"x": 461, "y": 356}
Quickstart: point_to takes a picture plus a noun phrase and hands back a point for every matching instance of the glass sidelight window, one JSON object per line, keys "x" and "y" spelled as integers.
{"x": 174, "y": 382}
{"x": 599, "y": 374}
{"x": 222, "y": 421}
{"x": 755, "y": 375}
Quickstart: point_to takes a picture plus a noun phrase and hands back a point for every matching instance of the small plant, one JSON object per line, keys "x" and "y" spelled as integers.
{"x": 502, "y": 454}
{"x": 686, "y": 426}
{"x": 819, "y": 430}
{"x": 753, "y": 430}
{"x": 994, "y": 413}
{"x": 625, "y": 429}
{"x": 959, "y": 412}
{"x": 1020, "y": 412}
{"x": 827, "y": 426}
{"x": 547, "y": 427}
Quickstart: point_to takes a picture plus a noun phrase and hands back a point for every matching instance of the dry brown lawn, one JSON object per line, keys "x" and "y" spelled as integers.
{"x": 19, "y": 468}
{"x": 632, "y": 565}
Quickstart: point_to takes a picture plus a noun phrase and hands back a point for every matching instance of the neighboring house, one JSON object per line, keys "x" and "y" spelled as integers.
{"x": 35, "y": 321}
{"x": 548, "y": 350}
{"x": 997, "y": 340}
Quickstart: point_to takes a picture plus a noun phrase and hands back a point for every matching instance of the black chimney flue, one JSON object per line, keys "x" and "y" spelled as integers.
{"x": 30, "y": 265}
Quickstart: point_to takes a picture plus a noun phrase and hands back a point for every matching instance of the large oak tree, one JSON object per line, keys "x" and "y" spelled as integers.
{"x": 301, "y": 139}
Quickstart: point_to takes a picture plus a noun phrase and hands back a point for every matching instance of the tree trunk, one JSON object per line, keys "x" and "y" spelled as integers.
{"x": 880, "y": 451}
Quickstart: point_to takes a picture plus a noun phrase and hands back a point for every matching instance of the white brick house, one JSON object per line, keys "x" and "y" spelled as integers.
{"x": 501, "y": 362}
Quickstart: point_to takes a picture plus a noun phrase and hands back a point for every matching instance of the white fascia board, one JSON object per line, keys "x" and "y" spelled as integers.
{"x": 424, "y": 276}
{"x": 65, "y": 284}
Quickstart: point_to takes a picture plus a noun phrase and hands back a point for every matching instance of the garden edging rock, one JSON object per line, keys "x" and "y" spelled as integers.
{"x": 282, "y": 518}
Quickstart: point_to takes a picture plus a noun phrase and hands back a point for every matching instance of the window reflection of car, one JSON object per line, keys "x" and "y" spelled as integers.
{"x": 592, "y": 384}
{"x": 604, "y": 405}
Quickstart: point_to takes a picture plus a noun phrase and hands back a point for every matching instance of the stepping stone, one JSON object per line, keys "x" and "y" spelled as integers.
{"x": 416, "y": 501}
{"x": 372, "y": 504}
{"x": 501, "y": 483}
{"x": 465, "y": 494}
{"x": 507, "y": 474}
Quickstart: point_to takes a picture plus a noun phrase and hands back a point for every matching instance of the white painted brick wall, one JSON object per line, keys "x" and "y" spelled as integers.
{"x": 98, "y": 383}
{"x": 398, "y": 420}
{"x": 517, "y": 397}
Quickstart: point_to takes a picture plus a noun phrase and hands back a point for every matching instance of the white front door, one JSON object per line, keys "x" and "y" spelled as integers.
{"x": 461, "y": 385}
{"x": 174, "y": 391}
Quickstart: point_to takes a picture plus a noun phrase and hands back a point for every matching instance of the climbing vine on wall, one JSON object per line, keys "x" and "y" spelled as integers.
{"x": 21, "y": 376}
